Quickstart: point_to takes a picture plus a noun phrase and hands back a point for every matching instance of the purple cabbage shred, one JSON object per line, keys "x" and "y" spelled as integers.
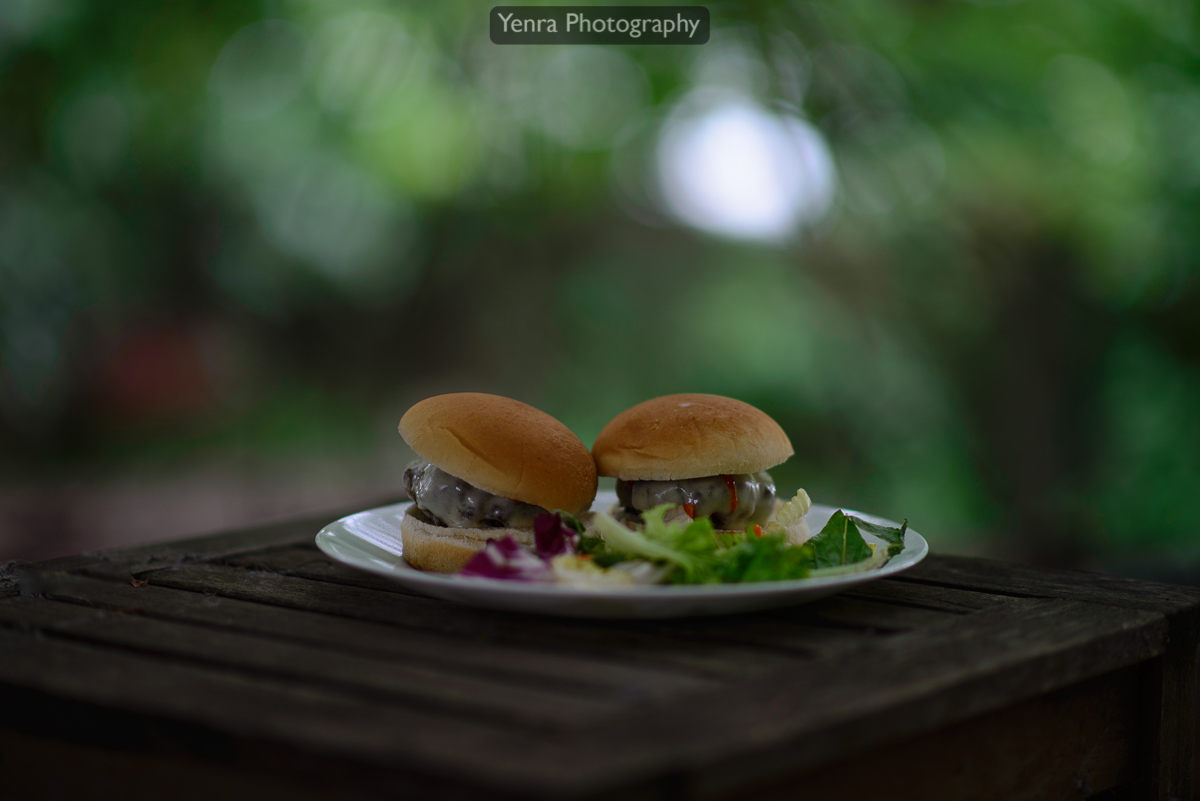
{"x": 552, "y": 537}
{"x": 508, "y": 559}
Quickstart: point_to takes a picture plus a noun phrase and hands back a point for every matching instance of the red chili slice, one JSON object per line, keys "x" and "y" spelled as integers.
{"x": 729, "y": 482}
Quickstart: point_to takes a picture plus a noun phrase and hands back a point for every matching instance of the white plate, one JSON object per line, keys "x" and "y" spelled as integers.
{"x": 370, "y": 541}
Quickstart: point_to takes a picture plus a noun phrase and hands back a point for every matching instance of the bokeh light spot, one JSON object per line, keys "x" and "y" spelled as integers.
{"x": 730, "y": 167}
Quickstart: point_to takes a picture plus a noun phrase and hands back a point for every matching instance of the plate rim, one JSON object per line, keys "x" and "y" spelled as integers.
{"x": 404, "y": 573}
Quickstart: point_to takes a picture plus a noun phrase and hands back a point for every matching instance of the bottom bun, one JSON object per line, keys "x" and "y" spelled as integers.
{"x": 439, "y": 549}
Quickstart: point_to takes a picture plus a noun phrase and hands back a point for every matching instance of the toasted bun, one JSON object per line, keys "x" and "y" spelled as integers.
{"x": 505, "y": 447}
{"x": 446, "y": 550}
{"x": 689, "y": 436}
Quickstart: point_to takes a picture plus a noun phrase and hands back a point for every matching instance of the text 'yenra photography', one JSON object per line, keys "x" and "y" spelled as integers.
{"x": 687, "y": 25}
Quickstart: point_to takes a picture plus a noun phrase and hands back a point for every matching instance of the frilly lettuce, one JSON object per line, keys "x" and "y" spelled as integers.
{"x": 789, "y": 519}
{"x": 695, "y": 553}
{"x": 795, "y": 509}
{"x": 692, "y": 552}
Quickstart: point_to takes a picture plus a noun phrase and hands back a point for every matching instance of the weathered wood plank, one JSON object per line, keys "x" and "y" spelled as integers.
{"x": 1173, "y": 753}
{"x": 890, "y": 689}
{"x": 1008, "y": 578}
{"x": 43, "y": 768}
{"x": 870, "y": 615}
{"x": 59, "y": 766}
{"x": 602, "y": 677}
{"x": 1171, "y": 715}
{"x": 927, "y": 596}
{"x": 766, "y": 633}
{"x": 120, "y": 563}
{"x": 795, "y": 718}
{"x": 1065, "y": 745}
{"x": 846, "y": 609}
{"x": 636, "y": 641}
{"x": 820, "y": 629}
{"x": 808, "y": 630}
{"x": 374, "y": 679}
{"x": 308, "y": 562}
{"x": 982, "y": 645}
{"x": 422, "y": 744}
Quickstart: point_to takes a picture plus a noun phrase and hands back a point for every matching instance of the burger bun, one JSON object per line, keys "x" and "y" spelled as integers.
{"x": 689, "y": 436}
{"x": 439, "y": 549}
{"x": 504, "y": 447}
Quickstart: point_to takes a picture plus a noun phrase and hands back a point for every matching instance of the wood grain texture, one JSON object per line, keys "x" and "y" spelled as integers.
{"x": 373, "y": 679}
{"x": 56, "y": 768}
{"x": 1066, "y": 745}
{"x": 54, "y": 748}
{"x": 120, "y": 563}
{"x": 308, "y": 562}
{"x": 866, "y": 614}
{"x": 946, "y": 599}
{"x": 595, "y": 675}
{"x": 261, "y": 642}
{"x": 1173, "y": 751}
{"x": 990, "y": 575}
{"x": 895, "y": 688}
{"x": 643, "y": 643}
{"x": 1172, "y": 717}
{"x": 258, "y": 709}
{"x": 798, "y": 718}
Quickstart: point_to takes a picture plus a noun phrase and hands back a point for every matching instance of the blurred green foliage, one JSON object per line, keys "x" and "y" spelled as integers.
{"x": 272, "y": 227}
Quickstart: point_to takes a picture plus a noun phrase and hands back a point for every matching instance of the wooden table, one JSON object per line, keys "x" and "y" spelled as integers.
{"x": 247, "y": 665}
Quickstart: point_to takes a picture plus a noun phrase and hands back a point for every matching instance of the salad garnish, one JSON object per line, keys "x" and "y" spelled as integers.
{"x": 675, "y": 549}
{"x": 507, "y": 559}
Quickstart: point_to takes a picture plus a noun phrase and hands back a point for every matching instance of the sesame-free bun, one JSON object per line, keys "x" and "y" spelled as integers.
{"x": 504, "y": 447}
{"x": 445, "y": 550}
{"x": 689, "y": 436}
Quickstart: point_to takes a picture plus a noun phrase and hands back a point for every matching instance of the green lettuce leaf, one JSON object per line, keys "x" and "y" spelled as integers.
{"x": 697, "y": 553}
{"x": 692, "y": 552}
{"x": 894, "y": 537}
{"x": 766, "y": 558}
{"x": 839, "y": 542}
{"x": 878, "y": 558}
{"x": 638, "y": 545}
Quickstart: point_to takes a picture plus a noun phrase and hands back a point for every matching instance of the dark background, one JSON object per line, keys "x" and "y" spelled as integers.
{"x": 948, "y": 245}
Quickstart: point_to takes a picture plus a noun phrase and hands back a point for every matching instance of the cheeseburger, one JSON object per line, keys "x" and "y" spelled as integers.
{"x": 705, "y": 454}
{"x": 489, "y": 466}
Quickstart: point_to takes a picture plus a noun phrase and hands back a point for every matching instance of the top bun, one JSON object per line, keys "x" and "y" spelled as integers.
{"x": 504, "y": 447}
{"x": 689, "y": 436}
